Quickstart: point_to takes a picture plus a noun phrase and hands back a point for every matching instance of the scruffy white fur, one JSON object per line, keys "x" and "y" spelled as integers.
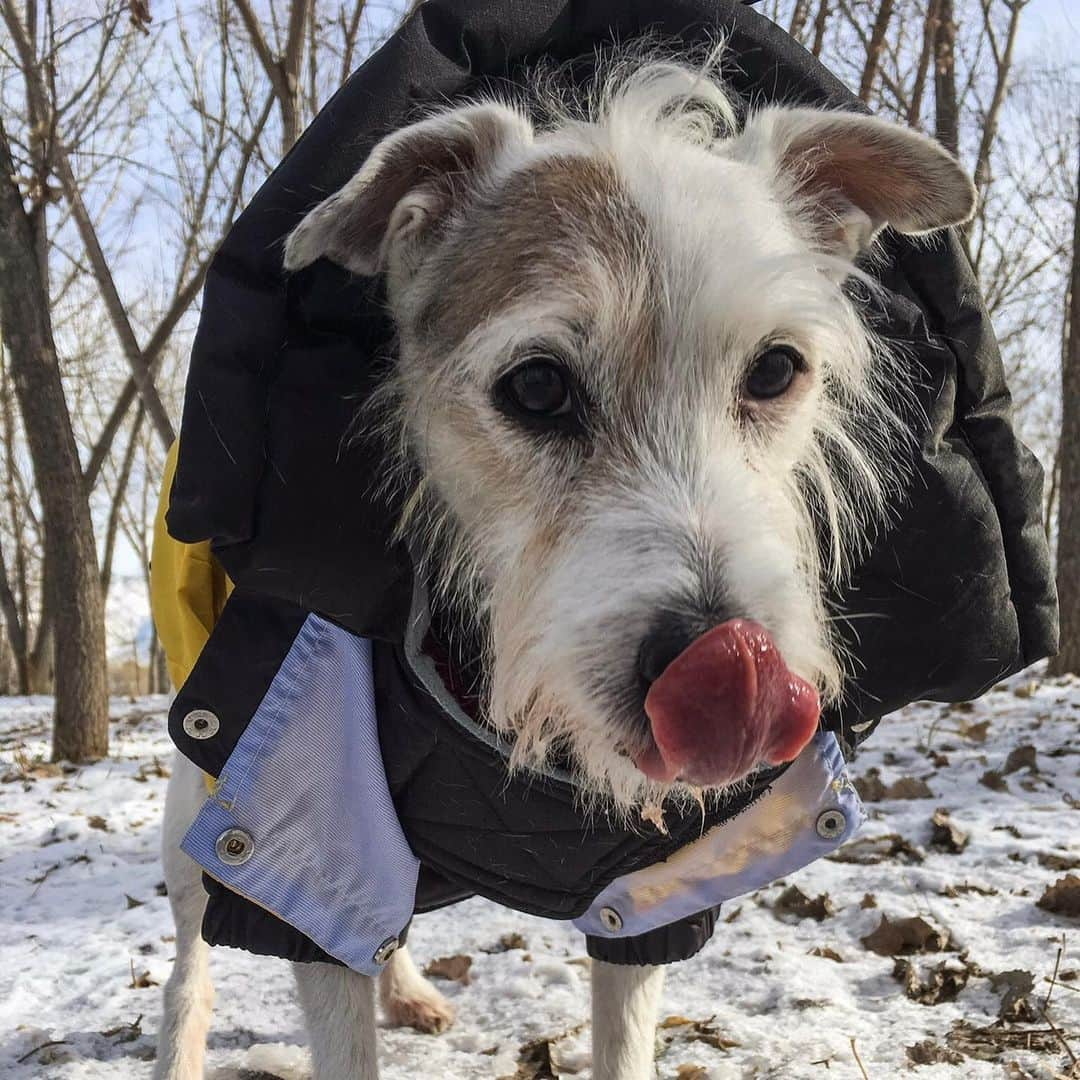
{"x": 656, "y": 247}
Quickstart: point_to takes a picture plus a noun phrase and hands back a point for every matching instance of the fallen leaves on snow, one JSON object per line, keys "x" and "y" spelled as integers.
{"x": 454, "y": 968}
{"x": 1063, "y": 897}
{"x": 946, "y": 835}
{"x": 929, "y": 1052}
{"x": 1022, "y": 757}
{"x": 903, "y": 937}
{"x": 704, "y": 1031}
{"x": 1014, "y": 987}
{"x": 932, "y": 986}
{"x": 793, "y": 901}
{"x": 872, "y": 788}
{"x": 876, "y": 849}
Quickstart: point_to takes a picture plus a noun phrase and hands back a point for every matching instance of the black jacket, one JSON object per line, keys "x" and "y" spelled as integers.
{"x": 279, "y": 367}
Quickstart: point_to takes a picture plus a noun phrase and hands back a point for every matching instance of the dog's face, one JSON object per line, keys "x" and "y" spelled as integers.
{"x": 631, "y": 388}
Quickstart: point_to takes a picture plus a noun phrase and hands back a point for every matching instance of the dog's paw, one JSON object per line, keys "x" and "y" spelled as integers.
{"x": 424, "y": 1010}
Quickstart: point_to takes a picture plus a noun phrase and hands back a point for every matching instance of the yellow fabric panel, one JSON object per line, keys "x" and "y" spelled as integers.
{"x": 188, "y": 589}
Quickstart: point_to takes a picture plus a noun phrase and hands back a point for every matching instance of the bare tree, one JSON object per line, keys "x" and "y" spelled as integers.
{"x": 1068, "y": 552}
{"x": 874, "y": 47}
{"x": 821, "y": 23}
{"x": 73, "y": 589}
{"x": 946, "y": 103}
{"x": 283, "y": 70}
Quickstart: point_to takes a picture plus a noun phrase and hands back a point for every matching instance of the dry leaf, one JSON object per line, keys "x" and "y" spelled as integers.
{"x": 534, "y": 1061}
{"x": 691, "y": 1072}
{"x": 993, "y": 780}
{"x": 793, "y": 901}
{"x": 1016, "y": 985}
{"x": 537, "y": 1060}
{"x": 826, "y": 952}
{"x": 96, "y": 821}
{"x": 132, "y": 902}
{"x": 946, "y": 835}
{"x": 1061, "y": 863}
{"x": 1023, "y": 757}
{"x": 1063, "y": 897}
{"x": 872, "y": 788}
{"x": 513, "y": 940}
{"x": 675, "y": 1021}
{"x": 902, "y": 937}
{"x": 953, "y": 891}
{"x": 941, "y": 983}
{"x": 454, "y": 968}
{"x": 869, "y": 900}
{"x": 875, "y": 849}
{"x": 929, "y": 1052}
{"x": 976, "y": 732}
{"x": 698, "y": 1031}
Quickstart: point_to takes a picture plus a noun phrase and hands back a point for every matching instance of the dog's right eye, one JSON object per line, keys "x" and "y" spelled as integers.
{"x": 772, "y": 372}
{"x": 540, "y": 392}
{"x": 540, "y": 388}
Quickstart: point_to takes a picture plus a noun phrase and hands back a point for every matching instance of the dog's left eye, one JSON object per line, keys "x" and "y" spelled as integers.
{"x": 772, "y": 372}
{"x": 539, "y": 389}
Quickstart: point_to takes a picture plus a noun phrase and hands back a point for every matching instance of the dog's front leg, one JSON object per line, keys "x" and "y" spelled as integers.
{"x": 339, "y": 1006}
{"x": 625, "y": 1000}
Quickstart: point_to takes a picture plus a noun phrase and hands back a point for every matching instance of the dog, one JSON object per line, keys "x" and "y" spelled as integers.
{"x": 642, "y": 429}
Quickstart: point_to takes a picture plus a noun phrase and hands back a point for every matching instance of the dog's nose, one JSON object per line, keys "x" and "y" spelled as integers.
{"x": 670, "y": 636}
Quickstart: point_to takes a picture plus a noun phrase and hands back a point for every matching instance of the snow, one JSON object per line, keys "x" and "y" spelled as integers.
{"x": 85, "y": 933}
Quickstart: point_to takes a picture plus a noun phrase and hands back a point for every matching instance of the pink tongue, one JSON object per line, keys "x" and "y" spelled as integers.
{"x": 724, "y": 705}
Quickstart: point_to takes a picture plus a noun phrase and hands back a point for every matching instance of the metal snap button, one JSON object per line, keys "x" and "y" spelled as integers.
{"x": 611, "y": 919}
{"x": 385, "y": 950}
{"x": 831, "y": 824}
{"x": 234, "y": 847}
{"x": 201, "y": 724}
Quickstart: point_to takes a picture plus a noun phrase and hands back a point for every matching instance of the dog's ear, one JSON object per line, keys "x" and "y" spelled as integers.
{"x": 855, "y": 174}
{"x": 410, "y": 181}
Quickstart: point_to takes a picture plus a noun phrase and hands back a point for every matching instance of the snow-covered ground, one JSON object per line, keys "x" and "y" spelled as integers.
{"x": 85, "y": 934}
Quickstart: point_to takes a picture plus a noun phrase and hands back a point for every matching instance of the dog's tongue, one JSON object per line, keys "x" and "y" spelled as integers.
{"x": 726, "y": 704}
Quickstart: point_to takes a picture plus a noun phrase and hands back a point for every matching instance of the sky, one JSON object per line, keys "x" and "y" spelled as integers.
{"x": 1044, "y": 18}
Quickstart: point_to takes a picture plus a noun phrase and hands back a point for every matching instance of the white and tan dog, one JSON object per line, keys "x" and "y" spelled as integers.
{"x": 631, "y": 395}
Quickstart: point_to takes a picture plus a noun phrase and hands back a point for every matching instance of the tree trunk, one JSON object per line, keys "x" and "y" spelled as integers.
{"x": 73, "y": 587}
{"x": 929, "y": 37}
{"x": 874, "y": 49}
{"x": 947, "y": 116}
{"x": 992, "y": 117}
{"x": 799, "y": 17}
{"x": 820, "y": 25}
{"x": 282, "y": 71}
{"x": 1067, "y": 660}
{"x": 16, "y": 631}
